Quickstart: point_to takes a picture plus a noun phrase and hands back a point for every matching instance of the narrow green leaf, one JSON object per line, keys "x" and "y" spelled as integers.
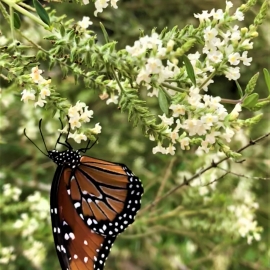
{"x": 190, "y": 70}
{"x": 251, "y": 84}
{"x": 260, "y": 105}
{"x": 240, "y": 91}
{"x": 17, "y": 20}
{"x": 106, "y": 36}
{"x": 251, "y": 101}
{"x": 62, "y": 30}
{"x": 163, "y": 101}
{"x": 267, "y": 78}
{"x": 42, "y": 13}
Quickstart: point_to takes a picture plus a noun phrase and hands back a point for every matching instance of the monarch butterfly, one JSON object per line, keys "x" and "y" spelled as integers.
{"x": 91, "y": 201}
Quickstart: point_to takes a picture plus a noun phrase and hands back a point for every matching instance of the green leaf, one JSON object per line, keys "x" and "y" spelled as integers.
{"x": 106, "y": 36}
{"x": 17, "y": 20}
{"x": 260, "y": 105}
{"x": 250, "y": 101}
{"x": 163, "y": 101}
{"x": 240, "y": 91}
{"x": 62, "y": 30}
{"x": 267, "y": 78}
{"x": 42, "y": 13}
{"x": 251, "y": 84}
{"x": 190, "y": 70}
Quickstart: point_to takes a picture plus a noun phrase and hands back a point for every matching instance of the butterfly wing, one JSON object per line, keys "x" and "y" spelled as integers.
{"x": 105, "y": 195}
{"x": 77, "y": 246}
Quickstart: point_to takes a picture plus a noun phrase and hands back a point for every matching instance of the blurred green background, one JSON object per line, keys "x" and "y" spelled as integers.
{"x": 187, "y": 230}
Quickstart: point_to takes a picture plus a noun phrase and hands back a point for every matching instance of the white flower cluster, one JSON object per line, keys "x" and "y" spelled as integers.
{"x": 77, "y": 115}
{"x": 102, "y": 4}
{"x": 6, "y": 255}
{"x": 43, "y": 87}
{"x": 39, "y": 205}
{"x": 223, "y": 47}
{"x": 153, "y": 70}
{"x": 199, "y": 116}
{"x": 28, "y": 225}
{"x": 11, "y": 193}
{"x": 36, "y": 253}
{"x": 245, "y": 219}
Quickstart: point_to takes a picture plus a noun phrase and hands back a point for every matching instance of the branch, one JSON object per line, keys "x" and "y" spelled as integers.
{"x": 189, "y": 180}
{"x": 166, "y": 177}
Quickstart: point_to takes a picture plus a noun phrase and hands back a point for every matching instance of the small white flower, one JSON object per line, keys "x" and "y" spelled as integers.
{"x": 41, "y": 102}
{"x": 80, "y": 106}
{"x": 35, "y": 75}
{"x": 204, "y": 17}
{"x": 211, "y": 137}
{"x": 236, "y": 34}
{"x": 86, "y": 116}
{"x": 165, "y": 120}
{"x": 159, "y": 148}
{"x": 239, "y": 15}
{"x": 96, "y": 129}
{"x": 217, "y": 15}
{"x": 215, "y": 56}
{"x": 78, "y": 137}
{"x": 229, "y": 5}
{"x": 64, "y": 130}
{"x": 247, "y": 45}
{"x": 184, "y": 142}
{"x": 204, "y": 146}
{"x": 151, "y": 138}
{"x": 74, "y": 122}
{"x": 177, "y": 110}
{"x": 114, "y": 3}
{"x": 228, "y": 134}
{"x": 28, "y": 95}
{"x": 170, "y": 150}
{"x": 153, "y": 65}
{"x": 245, "y": 59}
{"x": 210, "y": 33}
{"x": 235, "y": 112}
{"x": 233, "y": 73}
{"x": 234, "y": 58}
{"x": 100, "y": 5}
{"x": 45, "y": 92}
{"x": 112, "y": 99}
{"x": 170, "y": 45}
{"x": 143, "y": 75}
{"x": 85, "y": 22}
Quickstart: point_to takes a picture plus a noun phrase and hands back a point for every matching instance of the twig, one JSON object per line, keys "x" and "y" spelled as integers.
{"x": 210, "y": 183}
{"x": 166, "y": 177}
{"x": 35, "y": 184}
{"x": 244, "y": 176}
{"x": 188, "y": 180}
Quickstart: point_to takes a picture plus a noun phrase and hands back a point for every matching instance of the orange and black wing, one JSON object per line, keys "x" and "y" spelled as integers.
{"x": 77, "y": 246}
{"x": 106, "y": 195}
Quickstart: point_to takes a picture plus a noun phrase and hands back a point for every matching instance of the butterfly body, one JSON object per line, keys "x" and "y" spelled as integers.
{"x": 92, "y": 201}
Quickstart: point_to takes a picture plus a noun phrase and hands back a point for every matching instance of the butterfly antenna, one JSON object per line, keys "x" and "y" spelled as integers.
{"x": 40, "y": 130}
{"x": 60, "y": 135}
{"x": 24, "y": 131}
{"x": 88, "y": 148}
{"x": 66, "y": 141}
{"x": 66, "y": 144}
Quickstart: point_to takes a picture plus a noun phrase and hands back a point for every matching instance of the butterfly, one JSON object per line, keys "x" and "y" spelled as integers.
{"x": 92, "y": 201}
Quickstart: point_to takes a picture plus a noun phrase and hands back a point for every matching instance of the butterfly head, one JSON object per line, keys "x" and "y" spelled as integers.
{"x": 69, "y": 158}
